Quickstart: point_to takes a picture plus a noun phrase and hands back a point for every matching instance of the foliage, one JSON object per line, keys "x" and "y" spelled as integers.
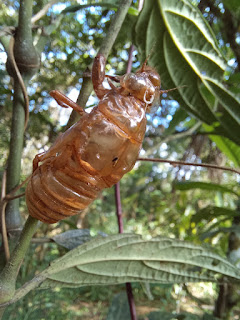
{"x": 190, "y": 47}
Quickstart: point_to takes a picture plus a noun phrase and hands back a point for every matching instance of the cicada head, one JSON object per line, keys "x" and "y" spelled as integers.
{"x": 144, "y": 84}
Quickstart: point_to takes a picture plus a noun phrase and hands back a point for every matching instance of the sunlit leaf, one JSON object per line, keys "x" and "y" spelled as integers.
{"x": 184, "y": 50}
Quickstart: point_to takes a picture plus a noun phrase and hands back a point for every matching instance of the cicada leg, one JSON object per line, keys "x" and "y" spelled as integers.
{"x": 38, "y": 158}
{"x": 43, "y": 156}
{"x": 57, "y": 145}
{"x": 59, "y": 160}
{"x": 98, "y": 75}
{"x": 65, "y": 102}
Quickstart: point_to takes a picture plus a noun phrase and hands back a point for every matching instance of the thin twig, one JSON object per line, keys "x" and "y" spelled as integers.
{"x": 43, "y": 11}
{"x": 118, "y": 207}
{"x": 129, "y": 65}
{"x": 20, "y": 79}
{"x": 131, "y": 301}
{"x": 14, "y": 190}
{"x": 42, "y": 240}
{"x": 9, "y": 198}
{"x": 183, "y": 163}
{"x": 3, "y": 204}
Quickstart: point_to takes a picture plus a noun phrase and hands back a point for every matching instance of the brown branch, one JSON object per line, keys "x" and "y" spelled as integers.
{"x": 14, "y": 190}
{"x": 183, "y": 163}
{"x": 9, "y": 198}
{"x": 42, "y": 240}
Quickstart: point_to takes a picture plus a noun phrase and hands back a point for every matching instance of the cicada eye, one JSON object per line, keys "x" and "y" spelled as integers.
{"x": 154, "y": 78}
{"x": 129, "y": 81}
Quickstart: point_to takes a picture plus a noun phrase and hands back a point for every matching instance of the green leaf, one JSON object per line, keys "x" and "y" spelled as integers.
{"x": 150, "y": 33}
{"x": 229, "y": 114}
{"x": 211, "y": 234}
{"x": 191, "y": 95}
{"x": 179, "y": 116}
{"x": 211, "y": 212}
{"x": 77, "y": 7}
{"x": 111, "y": 5}
{"x": 189, "y": 185}
{"x": 73, "y": 238}
{"x": 129, "y": 258}
{"x": 232, "y": 5}
{"x": 119, "y": 308}
{"x": 186, "y": 52}
{"x": 229, "y": 148}
{"x": 193, "y": 37}
{"x": 163, "y": 315}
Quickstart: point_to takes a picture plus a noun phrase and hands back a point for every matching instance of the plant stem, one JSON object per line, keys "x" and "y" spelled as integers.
{"x": 24, "y": 19}
{"x": 10, "y": 271}
{"x": 13, "y": 221}
{"x": 114, "y": 28}
{"x": 27, "y": 61}
{"x": 131, "y": 301}
{"x": 21, "y": 247}
{"x": 105, "y": 49}
{"x": 25, "y": 54}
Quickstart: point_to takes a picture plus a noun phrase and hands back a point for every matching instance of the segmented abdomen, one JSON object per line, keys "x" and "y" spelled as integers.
{"x": 105, "y": 146}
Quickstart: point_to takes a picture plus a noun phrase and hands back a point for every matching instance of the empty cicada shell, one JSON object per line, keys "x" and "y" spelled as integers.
{"x": 98, "y": 150}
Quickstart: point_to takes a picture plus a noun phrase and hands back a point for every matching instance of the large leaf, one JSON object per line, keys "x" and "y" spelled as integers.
{"x": 210, "y": 234}
{"x": 191, "y": 95}
{"x": 150, "y": 32}
{"x": 189, "y": 185}
{"x": 128, "y": 257}
{"x": 211, "y": 212}
{"x": 229, "y": 113}
{"x": 200, "y": 54}
{"x": 186, "y": 53}
{"x": 73, "y": 238}
{"x": 229, "y": 148}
